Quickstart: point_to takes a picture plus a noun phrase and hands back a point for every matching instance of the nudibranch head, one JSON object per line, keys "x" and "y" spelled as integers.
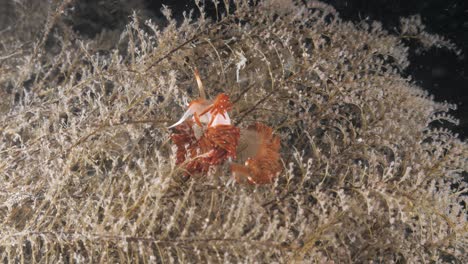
{"x": 211, "y": 113}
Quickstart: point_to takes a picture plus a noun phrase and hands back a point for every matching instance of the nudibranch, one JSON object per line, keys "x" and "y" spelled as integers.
{"x": 204, "y": 135}
{"x": 259, "y": 150}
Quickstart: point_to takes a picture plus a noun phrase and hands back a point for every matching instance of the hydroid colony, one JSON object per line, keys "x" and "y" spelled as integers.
{"x": 89, "y": 172}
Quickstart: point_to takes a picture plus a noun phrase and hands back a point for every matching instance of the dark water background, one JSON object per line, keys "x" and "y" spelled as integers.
{"x": 438, "y": 71}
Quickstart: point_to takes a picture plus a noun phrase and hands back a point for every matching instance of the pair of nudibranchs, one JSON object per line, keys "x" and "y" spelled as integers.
{"x": 205, "y": 137}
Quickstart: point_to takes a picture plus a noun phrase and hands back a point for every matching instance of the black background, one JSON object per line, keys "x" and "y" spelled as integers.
{"x": 438, "y": 71}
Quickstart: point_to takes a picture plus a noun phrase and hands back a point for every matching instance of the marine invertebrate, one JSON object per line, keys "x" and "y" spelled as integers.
{"x": 87, "y": 176}
{"x": 260, "y": 150}
{"x": 213, "y": 147}
{"x": 205, "y": 111}
{"x": 208, "y": 138}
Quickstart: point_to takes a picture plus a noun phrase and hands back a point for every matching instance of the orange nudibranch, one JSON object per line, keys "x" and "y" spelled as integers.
{"x": 208, "y": 112}
{"x": 214, "y": 147}
{"x": 259, "y": 149}
{"x": 208, "y": 138}
{"x": 204, "y": 136}
{"x": 205, "y": 111}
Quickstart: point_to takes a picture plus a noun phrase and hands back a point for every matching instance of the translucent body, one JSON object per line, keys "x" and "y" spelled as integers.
{"x": 261, "y": 154}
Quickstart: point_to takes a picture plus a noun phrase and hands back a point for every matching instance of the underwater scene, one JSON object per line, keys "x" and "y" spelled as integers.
{"x": 233, "y": 131}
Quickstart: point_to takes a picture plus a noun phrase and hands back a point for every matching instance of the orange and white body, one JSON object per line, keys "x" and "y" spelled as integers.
{"x": 204, "y": 111}
{"x": 204, "y": 135}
